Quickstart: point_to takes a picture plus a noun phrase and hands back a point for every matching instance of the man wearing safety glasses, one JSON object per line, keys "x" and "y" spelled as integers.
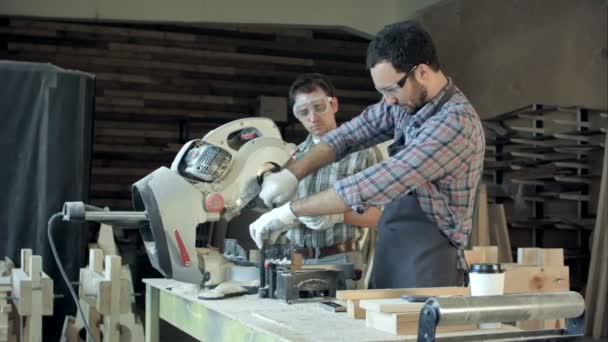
{"x": 328, "y": 239}
{"x": 428, "y": 185}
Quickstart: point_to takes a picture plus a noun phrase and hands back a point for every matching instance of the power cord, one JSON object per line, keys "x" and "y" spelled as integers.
{"x": 56, "y": 217}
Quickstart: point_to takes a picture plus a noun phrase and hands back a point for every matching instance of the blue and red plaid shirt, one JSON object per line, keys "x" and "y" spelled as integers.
{"x": 442, "y": 160}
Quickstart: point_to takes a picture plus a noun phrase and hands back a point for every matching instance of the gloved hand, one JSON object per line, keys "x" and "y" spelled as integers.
{"x": 278, "y": 188}
{"x": 321, "y": 222}
{"x": 271, "y": 224}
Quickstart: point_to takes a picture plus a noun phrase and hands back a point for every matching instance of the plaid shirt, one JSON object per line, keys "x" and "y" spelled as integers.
{"x": 321, "y": 180}
{"x": 442, "y": 160}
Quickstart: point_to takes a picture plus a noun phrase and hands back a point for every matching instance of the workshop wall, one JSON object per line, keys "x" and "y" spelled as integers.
{"x": 508, "y": 54}
{"x": 359, "y": 15}
{"x": 158, "y": 86}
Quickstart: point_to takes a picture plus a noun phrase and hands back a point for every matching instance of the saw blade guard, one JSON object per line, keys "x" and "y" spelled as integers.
{"x": 210, "y": 178}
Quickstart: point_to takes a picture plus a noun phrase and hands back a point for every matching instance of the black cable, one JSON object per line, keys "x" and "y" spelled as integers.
{"x": 56, "y": 217}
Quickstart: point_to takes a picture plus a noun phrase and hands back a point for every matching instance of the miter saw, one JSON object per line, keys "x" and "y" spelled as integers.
{"x": 211, "y": 178}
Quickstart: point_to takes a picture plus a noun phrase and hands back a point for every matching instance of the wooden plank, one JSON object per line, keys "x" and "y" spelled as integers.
{"x": 480, "y": 235}
{"x": 405, "y": 323}
{"x": 105, "y": 240}
{"x": 396, "y": 293}
{"x": 499, "y": 232}
{"x": 529, "y": 256}
{"x": 390, "y": 305}
{"x": 473, "y": 257}
{"x": 523, "y": 279}
{"x": 111, "y": 320}
{"x": 152, "y": 318}
{"x": 487, "y": 254}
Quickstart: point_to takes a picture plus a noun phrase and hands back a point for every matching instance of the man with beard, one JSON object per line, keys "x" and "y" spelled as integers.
{"x": 428, "y": 185}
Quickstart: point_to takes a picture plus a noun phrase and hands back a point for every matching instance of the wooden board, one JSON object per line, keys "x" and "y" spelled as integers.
{"x": 523, "y": 279}
{"x": 390, "y": 305}
{"x": 540, "y": 256}
{"x": 396, "y": 293}
{"x": 480, "y": 236}
{"x": 499, "y": 232}
{"x": 405, "y": 323}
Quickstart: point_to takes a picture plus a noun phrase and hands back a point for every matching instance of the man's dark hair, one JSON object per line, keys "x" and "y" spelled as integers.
{"x": 307, "y": 83}
{"x": 404, "y": 45}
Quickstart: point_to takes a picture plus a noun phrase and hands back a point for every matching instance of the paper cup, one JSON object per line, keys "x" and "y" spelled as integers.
{"x": 487, "y": 280}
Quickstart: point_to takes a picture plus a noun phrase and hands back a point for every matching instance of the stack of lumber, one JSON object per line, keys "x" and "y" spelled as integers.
{"x": 537, "y": 270}
{"x": 543, "y": 164}
{"x": 396, "y": 315}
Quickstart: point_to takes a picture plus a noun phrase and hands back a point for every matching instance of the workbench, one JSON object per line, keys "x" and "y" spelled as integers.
{"x": 250, "y": 318}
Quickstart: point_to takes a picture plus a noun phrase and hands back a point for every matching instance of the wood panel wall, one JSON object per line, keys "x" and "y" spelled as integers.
{"x": 158, "y": 86}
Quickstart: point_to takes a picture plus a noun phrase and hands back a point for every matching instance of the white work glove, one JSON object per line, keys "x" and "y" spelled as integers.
{"x": 278, "y": 188}
{"x": 271, "y": 224}
{"x": 321, "y": 222}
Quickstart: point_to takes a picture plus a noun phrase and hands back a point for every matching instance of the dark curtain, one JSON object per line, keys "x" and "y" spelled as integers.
{"x": 45, "y": 144}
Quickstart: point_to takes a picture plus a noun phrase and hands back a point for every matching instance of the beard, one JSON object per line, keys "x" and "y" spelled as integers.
{"x": 419, "y": 98}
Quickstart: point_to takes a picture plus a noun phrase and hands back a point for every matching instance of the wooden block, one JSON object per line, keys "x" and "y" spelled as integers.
{"x": 523, "y": 279}
{"x": 390, "y": 305}
{"x": 481, "y": 233}
{"x": 105, "y": 240}
{"x": 111, "y": 321}
{"x": 539, "y": 325}
{"x": 540, "y": 256}
{"x": 528, "y": 256}
{"x": 396, "y": 293}
{"x": 296, "y": 260}
{"x": 499, "y": 232}
{"x": 552, "y": 257}
{"x": 26, "y": 253}
{"x": 47, "y": 295}
{"x": 473, "y": 256}
{"x": 22, "y": 291}
{"x": 96, "y": 260}
{"x": 353, "y": 310}
{"x": 35, "y": 268}
{"x": 405, "y": 323}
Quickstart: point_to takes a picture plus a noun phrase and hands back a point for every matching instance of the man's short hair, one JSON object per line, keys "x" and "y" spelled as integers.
{"x": 404, "y": 45}
{"x": 307, "y": 83}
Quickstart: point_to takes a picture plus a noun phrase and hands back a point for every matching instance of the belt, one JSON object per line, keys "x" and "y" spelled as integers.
{"x": 310, "y": 252}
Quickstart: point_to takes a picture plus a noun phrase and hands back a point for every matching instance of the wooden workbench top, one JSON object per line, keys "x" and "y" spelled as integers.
{"x": 292, "y": 322}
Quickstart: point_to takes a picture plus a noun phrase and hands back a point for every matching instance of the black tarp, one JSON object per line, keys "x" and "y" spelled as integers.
{"x": 45, "y": 144}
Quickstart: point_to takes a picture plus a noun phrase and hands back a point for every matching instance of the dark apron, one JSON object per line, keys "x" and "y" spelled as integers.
{"x": 411, "y": 250}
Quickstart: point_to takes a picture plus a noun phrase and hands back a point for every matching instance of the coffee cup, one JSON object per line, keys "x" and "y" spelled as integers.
{"x": 487, "y": 280}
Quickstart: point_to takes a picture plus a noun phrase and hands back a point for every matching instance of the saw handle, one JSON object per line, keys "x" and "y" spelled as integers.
{"x": 265, "y": 169}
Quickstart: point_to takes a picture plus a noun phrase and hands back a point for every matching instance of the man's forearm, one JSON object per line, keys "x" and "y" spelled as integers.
{"x": 322, "y": 154}
{"x": 322, "y": 203}
{"x": 370, "y": 218}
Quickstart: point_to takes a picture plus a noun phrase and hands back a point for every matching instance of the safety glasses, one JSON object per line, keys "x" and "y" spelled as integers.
{"x": 394, "y": 89}
{"x": 317, "y": 106}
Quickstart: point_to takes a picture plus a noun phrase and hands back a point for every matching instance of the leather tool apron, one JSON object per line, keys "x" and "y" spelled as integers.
{"x": 411, "y": 250}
